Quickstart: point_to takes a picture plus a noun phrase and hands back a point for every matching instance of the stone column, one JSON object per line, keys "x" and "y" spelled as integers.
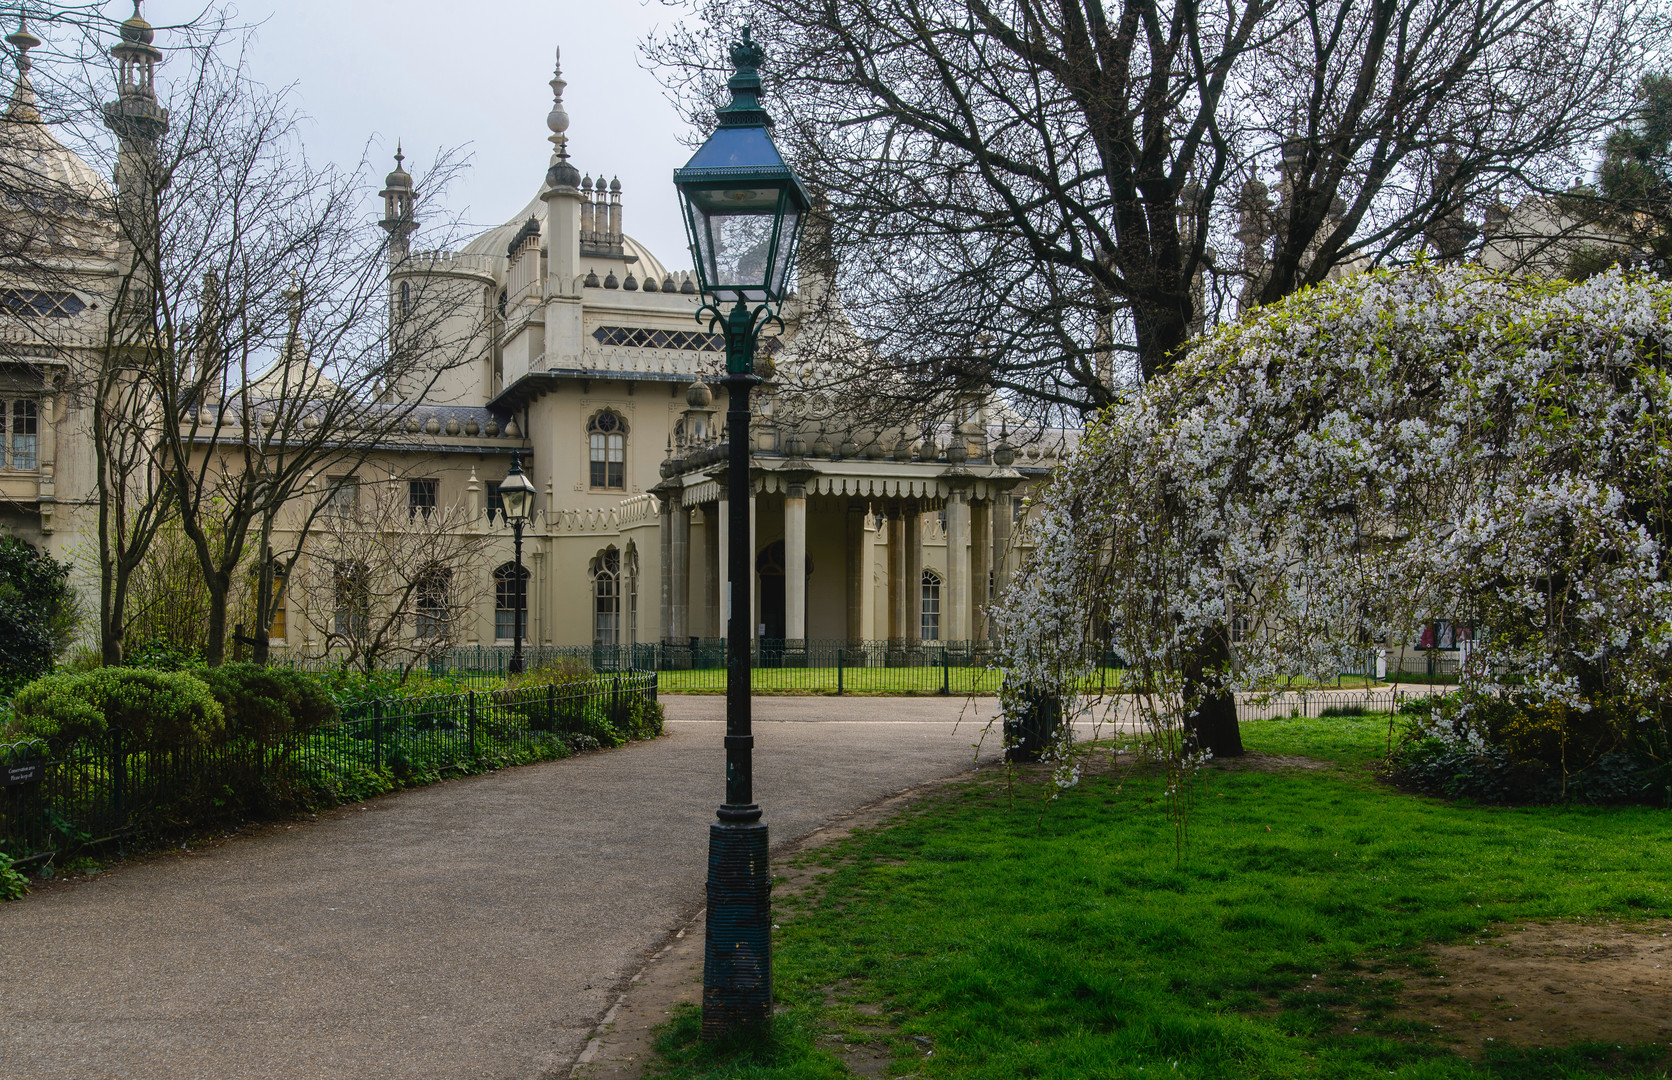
{"x": 858, "y": 548}
{"x": 679, "y": 615}
{"x": 1003, "y": 514}
{"x": 723, "y": 545}
{"x": 755, "y": 592}
{"x": 795, "y": 565}
{"x": 665, "y": 536}
{"x": 711, "y": 526}
{"x": 955, "y": 613}
{"x": 981, "y": 565}
{"x": 896, "y": 575}
{"x": 912, "y": 582}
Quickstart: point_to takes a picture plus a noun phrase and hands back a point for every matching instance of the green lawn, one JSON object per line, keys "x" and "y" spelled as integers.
{"x": 1068, "y": 942}
{"x": 927, "y": 679}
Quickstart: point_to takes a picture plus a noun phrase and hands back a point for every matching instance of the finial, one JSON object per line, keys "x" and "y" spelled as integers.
{"x": 23, "y": 94}
{"x": 557, "y": 120}
{"x": 560, "y": 173}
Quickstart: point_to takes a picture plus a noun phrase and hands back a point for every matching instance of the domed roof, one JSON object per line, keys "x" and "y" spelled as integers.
{"x": 494, "y": 241}
{"x": 52, "y": 196}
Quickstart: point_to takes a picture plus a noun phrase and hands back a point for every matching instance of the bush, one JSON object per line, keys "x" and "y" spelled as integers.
{"x": 265, "y": 703}
{"x": 151, "y": 709}
{"x": 37, "y": 611}
{"x": 12, "y": 884}
{"x": 1522, "y": 749}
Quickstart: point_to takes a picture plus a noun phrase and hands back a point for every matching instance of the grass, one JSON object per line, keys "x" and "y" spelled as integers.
{"x": 1067, "y": 941}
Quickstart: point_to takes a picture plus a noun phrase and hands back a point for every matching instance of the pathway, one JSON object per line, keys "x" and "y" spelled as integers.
{"x": 478, "y": 928}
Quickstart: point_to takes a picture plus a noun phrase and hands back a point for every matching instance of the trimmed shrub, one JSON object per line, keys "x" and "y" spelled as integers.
{"x": 265, "y": 703}
{"x": 37, "y": 611}
{"x": 153, "y": 709}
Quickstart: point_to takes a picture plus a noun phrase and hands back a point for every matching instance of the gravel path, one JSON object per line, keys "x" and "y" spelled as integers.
{"x": 477, "y": 928}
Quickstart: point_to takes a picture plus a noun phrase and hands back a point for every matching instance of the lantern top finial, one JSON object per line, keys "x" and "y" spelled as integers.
{"x": 745, "y": 85}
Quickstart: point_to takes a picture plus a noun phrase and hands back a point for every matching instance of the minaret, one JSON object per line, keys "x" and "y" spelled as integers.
{"x": 398, "y": 220}
{"x": 139, "y": 123}
{"x": 22, "y": 108}
{"x": 136, "y": 118}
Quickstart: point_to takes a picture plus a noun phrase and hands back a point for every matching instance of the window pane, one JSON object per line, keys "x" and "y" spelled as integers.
{"x": 421, "y": 496}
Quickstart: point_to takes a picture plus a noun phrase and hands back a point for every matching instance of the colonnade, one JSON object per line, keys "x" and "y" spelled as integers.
{"x": 978, "y": 550}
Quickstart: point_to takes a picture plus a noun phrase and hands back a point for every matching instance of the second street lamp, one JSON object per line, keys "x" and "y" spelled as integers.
{"x": 516, "y": 495}
{"x": 744, "y": 210}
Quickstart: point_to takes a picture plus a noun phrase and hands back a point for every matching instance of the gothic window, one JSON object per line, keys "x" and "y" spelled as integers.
{"x": 606, "y": 436}
{"x": 509, "y": 589}
{"x": 432, "y": 594}
{"x": 496, "y": 502}
{"x": 421, "y": 497}
{"x": 19, "y": 435}
{"x": 352, "y": 587}
{"x": 931, "y": 606}
{"x": 406, "y": 298}
{"x": 606, "y": 598}
{"x": 1239, "y": 629}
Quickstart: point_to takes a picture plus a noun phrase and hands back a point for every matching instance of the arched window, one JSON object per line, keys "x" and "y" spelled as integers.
{"x": 509, "y": 589}
{"x": 931, "y": 606}
{"x": 606, "y": 435}
{"x": 433, "y": 590}
{"x": 352, "y": 587}
{"x": 606, "y": 597}
{"x": 406, "y": 299}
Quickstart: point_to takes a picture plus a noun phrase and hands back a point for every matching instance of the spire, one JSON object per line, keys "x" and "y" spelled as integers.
{"x": 22, "y": 108}
{"x": 135, "y": 116}
{"x": 561, "y": 173}
{"x": 398, "y": 199}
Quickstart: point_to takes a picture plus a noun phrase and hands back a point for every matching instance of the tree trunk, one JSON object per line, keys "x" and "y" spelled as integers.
{"x": 214, "y": 649}
{"x": 1213, "y": 727}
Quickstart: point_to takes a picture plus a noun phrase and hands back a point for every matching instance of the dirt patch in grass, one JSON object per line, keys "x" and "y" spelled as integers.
{"x": 1549, "y": 984}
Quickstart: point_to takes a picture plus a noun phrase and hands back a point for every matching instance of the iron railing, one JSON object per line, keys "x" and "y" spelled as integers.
{"x": 54, "y": 797}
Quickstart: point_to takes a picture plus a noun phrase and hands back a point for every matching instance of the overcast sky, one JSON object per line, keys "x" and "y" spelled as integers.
{"x": 473, "y": 75}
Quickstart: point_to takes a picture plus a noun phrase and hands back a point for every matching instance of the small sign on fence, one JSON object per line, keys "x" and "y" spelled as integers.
{"x": 23, "y": 772}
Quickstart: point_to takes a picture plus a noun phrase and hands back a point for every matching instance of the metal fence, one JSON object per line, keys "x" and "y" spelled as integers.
{"x": 699, "y": 665}
{"x": 54, "y": 797}
{"x": 1312, "y": 704}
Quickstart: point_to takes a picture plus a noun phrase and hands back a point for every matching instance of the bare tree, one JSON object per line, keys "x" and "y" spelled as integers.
{"x": 1048, "y": 198}
{"x": 384, "y": 580}
{"x": 254, "y": 307}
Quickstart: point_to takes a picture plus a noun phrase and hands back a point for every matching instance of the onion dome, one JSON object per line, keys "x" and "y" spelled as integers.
{"x": 668, "y": 283}
{"x": 611, "y": 282}
{"x": 957, "y": 451}
{"x": 631, "y": 284}
{"x": 849, "y": 448}
{"x": 400, "y": 178}
{"x": 136, "y": 29}
{"x": 699, "y": 396}
{"x": 591, "y": 279}
{"x": 650, "y": 283}
{"x": 669, "y": 465}
{"x": 688, "y": 287}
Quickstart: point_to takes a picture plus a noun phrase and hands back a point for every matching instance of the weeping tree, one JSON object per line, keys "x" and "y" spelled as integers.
{"x": 1340, "y": 468}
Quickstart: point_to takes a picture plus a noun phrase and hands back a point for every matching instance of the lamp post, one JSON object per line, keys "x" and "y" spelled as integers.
{"x": 516, "y": 494}
{"x": 744, "y": 209}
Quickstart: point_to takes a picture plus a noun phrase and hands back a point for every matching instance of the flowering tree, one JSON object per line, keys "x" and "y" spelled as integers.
{"x": 1339, "y": 468}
